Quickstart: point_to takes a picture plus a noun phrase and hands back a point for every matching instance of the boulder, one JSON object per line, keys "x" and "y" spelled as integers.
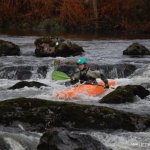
{"x": 22, "y": 84}
{"x": 123, "y": 94}
{"x": 136, "y": 49}
{"x": 9, "y": 49}
{"x": 42, "y": 71}
{"x": 16, "y": 72}
{"x": 146, "y": 85}
{"x": 39, "y": 115}
{"x": 62, "y": 139}
{"x": 139, "y": 91}
{"x": 53, "y": 47}
{"x": 23, "y": 72}
{"x": 4, "y": 145}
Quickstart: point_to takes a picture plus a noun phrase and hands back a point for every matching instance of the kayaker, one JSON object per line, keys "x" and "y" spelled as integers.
{"x": 85, "y": 74}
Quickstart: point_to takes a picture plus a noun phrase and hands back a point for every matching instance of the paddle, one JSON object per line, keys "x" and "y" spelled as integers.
{"x": 58, "y": 75}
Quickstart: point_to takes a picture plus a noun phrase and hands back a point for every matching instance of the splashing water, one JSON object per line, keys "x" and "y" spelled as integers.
{"x": 104, "y": 52}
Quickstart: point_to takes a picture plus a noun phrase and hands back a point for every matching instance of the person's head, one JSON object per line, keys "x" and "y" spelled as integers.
{"x": 82, "y": 62}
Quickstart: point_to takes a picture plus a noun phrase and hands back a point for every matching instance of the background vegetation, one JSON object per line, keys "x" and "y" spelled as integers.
{"x": 76, "y": 15}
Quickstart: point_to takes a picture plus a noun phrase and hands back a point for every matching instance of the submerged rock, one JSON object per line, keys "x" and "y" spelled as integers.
{"x": 62, "y": 139}
{"x": 50, "y": 46}
{"x": 4, "y": 145}
{"x": 136, "y": 49}
{"x": 16, "y": 72}
{"x": 22, "y": 84}
{"x": 146, "y": 85}
{"x": 23, "y": 72}
{"x": 123, "y": 94}
{"x": 37, "y": 115}
{"x": 9, "y": 49}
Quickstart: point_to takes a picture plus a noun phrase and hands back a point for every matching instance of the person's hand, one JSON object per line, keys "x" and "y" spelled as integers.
{"x": 106, "y": 86}
{"x": 74, "y": 81}
{"x": 67, "y": 83}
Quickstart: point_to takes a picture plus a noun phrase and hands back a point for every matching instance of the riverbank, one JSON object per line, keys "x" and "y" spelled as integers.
{"x": 75, "y": 35}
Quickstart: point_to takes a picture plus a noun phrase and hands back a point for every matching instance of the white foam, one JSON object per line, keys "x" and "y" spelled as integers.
{"x": 15, "y": 145}
{"x": 124, "y": 140}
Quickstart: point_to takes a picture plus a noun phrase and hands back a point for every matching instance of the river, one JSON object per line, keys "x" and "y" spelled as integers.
{"x": 99, "y": 50}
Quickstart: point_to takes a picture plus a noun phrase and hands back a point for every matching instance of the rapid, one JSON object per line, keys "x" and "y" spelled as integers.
{"x": 104, "y": 51}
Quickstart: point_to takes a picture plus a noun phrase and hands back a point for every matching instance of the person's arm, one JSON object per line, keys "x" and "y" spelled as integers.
{"x": 97, "y": 74}
{"x": 92, "y": 74}
{"x": 104, "y": 80}
{"x": 75, "y": 77}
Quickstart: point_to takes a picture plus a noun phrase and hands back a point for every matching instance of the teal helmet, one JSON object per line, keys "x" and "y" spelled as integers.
{"x": 81, "y": 61}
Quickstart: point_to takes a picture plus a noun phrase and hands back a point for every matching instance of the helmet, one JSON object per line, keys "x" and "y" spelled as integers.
{"x": 81, "y": 61}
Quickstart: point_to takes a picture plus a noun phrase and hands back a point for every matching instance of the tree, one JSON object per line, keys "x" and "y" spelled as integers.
{"x": 73, "y": 13}
{"x": 95, "y": 9}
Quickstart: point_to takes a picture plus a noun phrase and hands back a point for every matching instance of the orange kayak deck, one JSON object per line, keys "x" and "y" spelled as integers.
{"x": 86, "y": 89}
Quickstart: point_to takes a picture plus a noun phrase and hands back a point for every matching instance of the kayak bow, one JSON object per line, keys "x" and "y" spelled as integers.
{"x": 87, "y": 89}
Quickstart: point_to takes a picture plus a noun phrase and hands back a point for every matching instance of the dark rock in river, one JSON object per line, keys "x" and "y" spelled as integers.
{"x": 16, "y": 72}
{"x": 9, "y": 49}
{"x": 146, "y": 85}
{"x": 123, "y": 94}
{"x": 139, "y": 90}
{"x": 136, "y": 49}
{"x": 22, "y": 84}
{"x": 22, "y": 72}
{"x": 4, "y": 145}
{"x": 68, "y": 69}
{"x": 61, "y": 139}
{"x": 53, "y": 47}
{"x": 37, "y": 115}
{"x": 42, "y": 71}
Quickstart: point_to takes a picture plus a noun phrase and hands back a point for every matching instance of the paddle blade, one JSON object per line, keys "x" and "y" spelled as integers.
{"x": 58, "y": 75}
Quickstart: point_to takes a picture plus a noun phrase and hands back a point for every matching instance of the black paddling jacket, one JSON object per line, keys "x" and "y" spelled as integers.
{"x": 87, "y": 75}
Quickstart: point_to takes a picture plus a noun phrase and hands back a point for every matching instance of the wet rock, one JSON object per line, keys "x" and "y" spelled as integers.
{"x": 115, "y": 71}
{"x": 68, "y": 69}
{"x": 41, "y": 114}
{"x": 123, "y": 94}
{"x": 139, "y": 91}
{"x": 4, "y": 145}
{"x": 136, "y": 49}
{"x": 53, "y": 47}
{"x": 9, "y": 49}
{"x": 146, "y": 85}
{"x": 61, "y": 139}
{"x": 42, "y": 71}
{"x": 22, "y": 72}
{"x": 16, "y": 72}
{"x": 23, "y": 84}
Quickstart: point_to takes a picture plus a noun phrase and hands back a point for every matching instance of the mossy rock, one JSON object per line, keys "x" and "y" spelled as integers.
{"x": 42, "y": 114}
{"x": 47, "y": 39}
{"x": 136, "y": 49}
{"x": 54, "y": 46}
{"x": 123, "y": 94}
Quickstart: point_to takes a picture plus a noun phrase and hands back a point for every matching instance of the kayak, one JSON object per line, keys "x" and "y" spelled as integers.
{"x": 85, "y": 89}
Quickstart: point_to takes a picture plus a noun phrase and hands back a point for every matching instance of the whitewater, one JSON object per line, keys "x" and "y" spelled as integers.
{"x": 102, "y": 51}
